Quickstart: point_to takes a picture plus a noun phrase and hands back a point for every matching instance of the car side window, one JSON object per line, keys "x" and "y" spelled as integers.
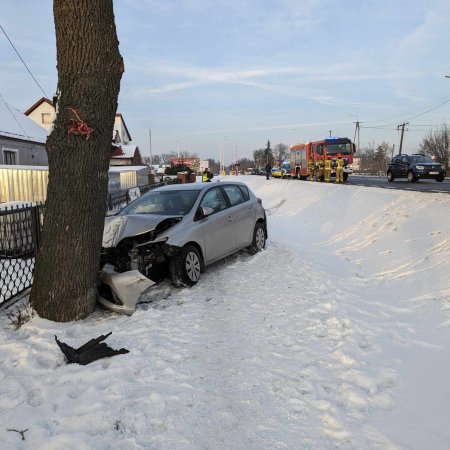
{"x": 234, "y": 195}
{"x": 214, "y": 199}
{"x": 244, "y": 190}
{"x": 404, "y": 160}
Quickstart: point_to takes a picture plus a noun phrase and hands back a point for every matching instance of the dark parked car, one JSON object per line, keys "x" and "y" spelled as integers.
{"x": 415, "y": 167}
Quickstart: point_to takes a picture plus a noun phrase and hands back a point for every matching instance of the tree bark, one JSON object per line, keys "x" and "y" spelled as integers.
{"x": 89, "y": 71}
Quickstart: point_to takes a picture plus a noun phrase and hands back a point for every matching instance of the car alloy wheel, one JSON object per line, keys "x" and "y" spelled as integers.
{"x": 192, "y": 266}
{"x": 411, "y": 177}
{"x": 259, "y": 239}
{"x": 185, "y": 267}
{"x": 390, "y": 177}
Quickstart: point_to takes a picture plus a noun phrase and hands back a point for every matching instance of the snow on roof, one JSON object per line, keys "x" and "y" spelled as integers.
{"x": 14, "y": 167}
{"x": 115, "y": 169}
{"x": 112, "y": 169}
{"x": 128, "y": 151}
{"x": 14, "y": 124}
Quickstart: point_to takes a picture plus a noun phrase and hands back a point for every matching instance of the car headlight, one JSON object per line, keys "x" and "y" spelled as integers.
{"x": 420, "y": 167}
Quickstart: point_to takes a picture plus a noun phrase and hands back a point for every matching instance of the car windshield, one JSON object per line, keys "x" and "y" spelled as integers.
{"x": 165, "y": 203}
{"x": 343, "y": 149}
{"x": 420, "y": 159}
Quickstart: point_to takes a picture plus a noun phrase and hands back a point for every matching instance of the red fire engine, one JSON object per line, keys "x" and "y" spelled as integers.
{"x": 301, "y": 154}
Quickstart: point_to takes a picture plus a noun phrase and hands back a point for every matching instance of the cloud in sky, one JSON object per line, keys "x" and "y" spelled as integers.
{"x": 198, "y": 68}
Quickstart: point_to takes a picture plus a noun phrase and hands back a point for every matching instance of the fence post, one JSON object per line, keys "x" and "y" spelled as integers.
{"x": 36, "y": 227}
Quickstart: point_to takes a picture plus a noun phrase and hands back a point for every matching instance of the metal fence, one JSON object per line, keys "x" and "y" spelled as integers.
{"x": 20, "y": 233}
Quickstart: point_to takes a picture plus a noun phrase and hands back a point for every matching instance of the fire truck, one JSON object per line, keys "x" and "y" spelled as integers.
{"x": 301, "y": 154}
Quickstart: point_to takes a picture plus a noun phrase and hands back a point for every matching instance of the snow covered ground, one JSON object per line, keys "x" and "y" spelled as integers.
{"x": 336, "y": 336}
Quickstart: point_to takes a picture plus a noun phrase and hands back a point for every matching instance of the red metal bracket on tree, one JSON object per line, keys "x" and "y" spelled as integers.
{"x": 78, "y": 126}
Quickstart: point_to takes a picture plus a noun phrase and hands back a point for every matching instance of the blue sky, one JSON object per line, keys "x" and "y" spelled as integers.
{"x": 204, "y": 74}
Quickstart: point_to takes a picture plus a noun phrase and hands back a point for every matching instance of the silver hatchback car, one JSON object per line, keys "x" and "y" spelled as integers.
{"x": 178, "y": 230}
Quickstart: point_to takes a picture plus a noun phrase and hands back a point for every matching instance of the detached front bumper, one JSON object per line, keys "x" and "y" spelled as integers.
{"x": 125, "y": 289}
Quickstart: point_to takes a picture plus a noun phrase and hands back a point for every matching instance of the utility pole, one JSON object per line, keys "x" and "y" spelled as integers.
{"x": 393, "y": 149}
{"x": 402, "y": 125}
{"x": 330, "y": 132}
{"x": 356, "y": 134}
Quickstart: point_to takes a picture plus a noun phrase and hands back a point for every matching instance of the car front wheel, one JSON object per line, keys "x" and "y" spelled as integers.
{"x": 411, "y": 177}
{"x": 390, "y": 177}
{"x": 259, "y": 239}
{"x": 185, "y": 267}
{"x": 440, "y": 179}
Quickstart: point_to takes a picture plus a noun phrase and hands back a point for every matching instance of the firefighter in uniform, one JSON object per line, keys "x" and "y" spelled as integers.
{"x": 311, "y": 169}
{"x": 327, "y": 169}
{"x": 320, "y": 167}
{"x": 339, "y": 169}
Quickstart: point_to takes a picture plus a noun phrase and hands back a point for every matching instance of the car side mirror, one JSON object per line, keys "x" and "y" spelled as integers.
{"x": 203, "y": 211}
{"x": 206, "y": 211}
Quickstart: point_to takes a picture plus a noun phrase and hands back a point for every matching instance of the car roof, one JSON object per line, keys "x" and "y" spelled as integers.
{"x": 196, "y": 186}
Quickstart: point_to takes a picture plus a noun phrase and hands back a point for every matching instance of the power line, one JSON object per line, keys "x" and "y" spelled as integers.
{"x": 14, "y": 117}
{"x": 18, "y": 54}
{"x": 413, "y": 117}
{"x": 428, "y": 110}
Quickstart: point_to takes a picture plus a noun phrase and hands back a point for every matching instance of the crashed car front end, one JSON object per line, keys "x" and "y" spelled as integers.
{"x": 135, "y": 243}
{"x": 134, "y": 255}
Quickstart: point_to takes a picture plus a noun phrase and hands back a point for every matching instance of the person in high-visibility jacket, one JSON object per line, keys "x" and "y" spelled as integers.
{"x": 327, "y": 169}
{"x": 311, "y": 169}
{"x": 339, "y": 169}
{"x": 320, "y": 167}
{"x": 205, "y": 176}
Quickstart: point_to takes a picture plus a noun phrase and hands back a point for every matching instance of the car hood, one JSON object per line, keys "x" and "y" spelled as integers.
{"x": 120, "y": 227}
{"x": 429, "y": 165}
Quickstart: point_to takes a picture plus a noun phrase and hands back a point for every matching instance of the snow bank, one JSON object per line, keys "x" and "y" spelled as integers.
{"x": 336, "y": 336}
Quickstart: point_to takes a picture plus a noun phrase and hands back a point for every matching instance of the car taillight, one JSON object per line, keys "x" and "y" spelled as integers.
{"x": 259, "y": 201}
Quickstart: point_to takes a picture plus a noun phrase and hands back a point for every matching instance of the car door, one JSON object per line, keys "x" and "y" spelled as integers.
{"x": 403, "y": 166}
{"x": 243, "y": 215}
{"x": 218, "y": 229}
{"x": 395, "y": 166}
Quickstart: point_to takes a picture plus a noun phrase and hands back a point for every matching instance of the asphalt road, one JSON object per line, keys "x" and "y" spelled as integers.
{"x": 381, "y": 182}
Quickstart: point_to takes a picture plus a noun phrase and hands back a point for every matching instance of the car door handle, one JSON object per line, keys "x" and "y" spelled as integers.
{"x": 230, "y": 219}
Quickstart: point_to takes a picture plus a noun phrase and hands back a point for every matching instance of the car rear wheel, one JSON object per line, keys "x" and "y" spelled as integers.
{"x": 259, "y": 239}
{"x": 411, "y": 177}
{"x": 185, "y": 267}
{"x": 390, "y": 177}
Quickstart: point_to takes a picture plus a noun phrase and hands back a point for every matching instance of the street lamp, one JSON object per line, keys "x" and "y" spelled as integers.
{"x": 222, "y": 157}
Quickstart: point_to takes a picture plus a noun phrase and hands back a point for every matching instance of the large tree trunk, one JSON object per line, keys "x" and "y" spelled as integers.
{"x": 89, "y": 71}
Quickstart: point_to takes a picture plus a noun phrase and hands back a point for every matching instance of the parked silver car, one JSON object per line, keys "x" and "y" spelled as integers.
{"x": 178, "y": 230}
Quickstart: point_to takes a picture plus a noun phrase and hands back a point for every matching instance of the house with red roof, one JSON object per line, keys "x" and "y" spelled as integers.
{"x": 123, "y": 152}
